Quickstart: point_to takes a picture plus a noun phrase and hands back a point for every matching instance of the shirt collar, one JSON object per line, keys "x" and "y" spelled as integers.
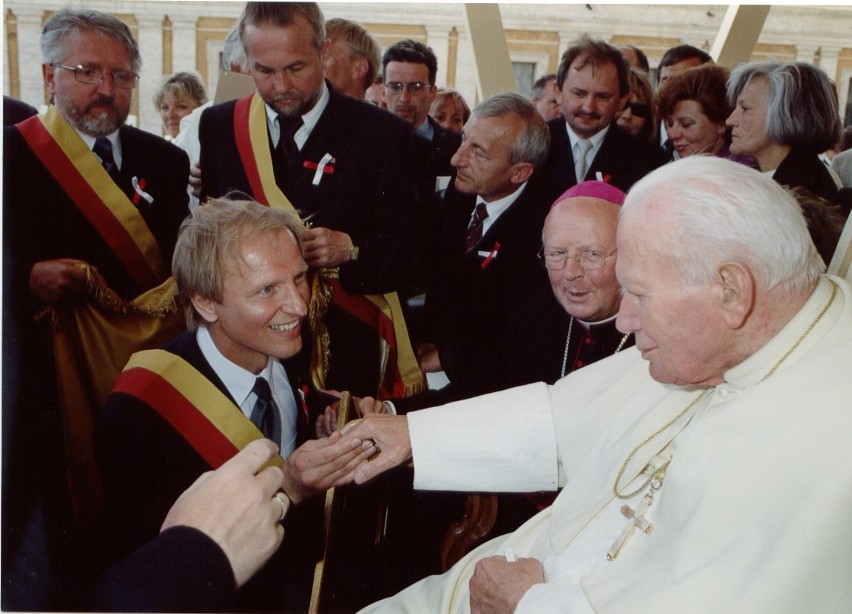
{"x": 309, "y": 120}
{"x": 112, "y": 137}
{"x": 497, "y": 207}
{"x": 752, "y": 370}
{"x": 596, "y": 138}
{"x": 425, "y": 129}
{"x": 238, "y": 381}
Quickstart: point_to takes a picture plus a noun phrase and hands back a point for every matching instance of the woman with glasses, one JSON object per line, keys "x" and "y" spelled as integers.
{"x": 637, "y": 118}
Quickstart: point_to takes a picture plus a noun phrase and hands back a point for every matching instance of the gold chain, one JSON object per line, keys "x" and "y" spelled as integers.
{"x": 701, "y": 396}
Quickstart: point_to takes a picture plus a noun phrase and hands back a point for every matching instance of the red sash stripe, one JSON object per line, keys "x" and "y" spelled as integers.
{"x": 178, "y": 411}
{"x": 243, "y": 139}
{"x": 89, "y": 203}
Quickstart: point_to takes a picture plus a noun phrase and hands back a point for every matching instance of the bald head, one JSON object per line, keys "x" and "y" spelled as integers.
{"x": 583, "y": 228}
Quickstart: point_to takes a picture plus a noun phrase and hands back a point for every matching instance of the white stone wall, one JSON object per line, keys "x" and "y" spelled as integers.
{"x": 809, "y": 28}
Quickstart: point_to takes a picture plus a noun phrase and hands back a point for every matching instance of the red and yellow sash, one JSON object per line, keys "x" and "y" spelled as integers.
{"x": 400, "y": 373}
{"x": 76, "y": 169}
{"x": 203, "y": 415}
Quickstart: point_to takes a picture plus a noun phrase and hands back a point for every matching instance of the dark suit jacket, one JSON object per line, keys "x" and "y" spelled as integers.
{"x": 622, "y": 160}
{"x": 145, "y": 465}
{"x": 468, "y": 304}
{"x": 42, "y": 223}
{"x": 180, "y": 570}
{"x": 15, "y": 111}
{"x": 803, "y": 168}
{"x": 446, "y": 143}
{"x": 372, "y": 194}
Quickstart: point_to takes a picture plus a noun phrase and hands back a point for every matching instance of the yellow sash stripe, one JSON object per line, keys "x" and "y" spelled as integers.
{"x": 211, "y": 402}
{"x": 113, "y": 198}
{"x": 260, "y": 145}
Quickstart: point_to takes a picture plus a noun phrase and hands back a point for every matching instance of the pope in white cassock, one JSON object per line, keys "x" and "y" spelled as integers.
{"x": 715, "y": 478}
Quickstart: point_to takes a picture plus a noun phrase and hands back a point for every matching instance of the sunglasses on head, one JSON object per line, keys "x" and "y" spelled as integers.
{"x": 639, "y": 109}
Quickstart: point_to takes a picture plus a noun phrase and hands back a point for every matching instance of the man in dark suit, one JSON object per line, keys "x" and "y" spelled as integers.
{"x": 586, "y": 143}
{"x": 181, "y": 411}
{"x": 491, "y": 231}
{"x": 344, "y": 163}
{"x": 63, "y": 210}
{"x": 410, "y": 69}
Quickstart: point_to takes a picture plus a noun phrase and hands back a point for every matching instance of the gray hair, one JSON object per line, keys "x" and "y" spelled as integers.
{"x": 66, "y": 21}
{"x": 534, "y": 140}
{"x": 727, "y": 212}
{"x": 802, "y": 109}
{"x": 358, "y": 43}
{"x": 233, "y": 53}
{"x": 282, "y": 15}
{"x": 207, "y": 241}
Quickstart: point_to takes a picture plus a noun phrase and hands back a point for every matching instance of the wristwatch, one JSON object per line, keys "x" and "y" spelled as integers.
{"x": 353, "y": 252}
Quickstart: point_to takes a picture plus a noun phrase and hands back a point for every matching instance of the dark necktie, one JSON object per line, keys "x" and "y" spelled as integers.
{"x": 103, "y": 149}
{"x": 264, "y": 415}
{"x": 287, "y": 152}
{"x": 474, "y": 229}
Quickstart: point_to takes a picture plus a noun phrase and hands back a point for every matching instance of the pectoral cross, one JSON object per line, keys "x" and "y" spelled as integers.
{"x": 638, "y": 518}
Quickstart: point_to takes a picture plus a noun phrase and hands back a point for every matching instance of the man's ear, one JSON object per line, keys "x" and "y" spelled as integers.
{"x": 48, "y": 73}
{"x": 738, "y": 293}
{"x": 522, "y": 172}
{"x": 206, "y": 308}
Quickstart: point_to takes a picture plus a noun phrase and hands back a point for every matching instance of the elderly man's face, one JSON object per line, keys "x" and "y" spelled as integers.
{"x": 678, "y": 327}
{"x": 482, "y": 160}
{"x": 264, "y": 301}
{"x": 579, "y": 226}
{"x": 590, "y": 97}
{"x": 94, "y": 109}
{"x": 286, "y": 67}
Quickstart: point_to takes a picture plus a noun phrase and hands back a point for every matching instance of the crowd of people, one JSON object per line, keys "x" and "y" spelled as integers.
{"x": 622, "y": 281}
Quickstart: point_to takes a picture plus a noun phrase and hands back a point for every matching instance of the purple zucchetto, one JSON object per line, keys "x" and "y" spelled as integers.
{"x": 594, "y": 189}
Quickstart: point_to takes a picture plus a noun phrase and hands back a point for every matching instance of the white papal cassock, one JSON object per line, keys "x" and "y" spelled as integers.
{"x": 754, "y": 515}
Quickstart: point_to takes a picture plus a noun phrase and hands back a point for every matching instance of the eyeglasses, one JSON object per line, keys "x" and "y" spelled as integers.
{"x": 639, "y": 109}
{"x": 415, "y": 87}
{"x": 589, "y": 260}
{"x": 124, "y": 79}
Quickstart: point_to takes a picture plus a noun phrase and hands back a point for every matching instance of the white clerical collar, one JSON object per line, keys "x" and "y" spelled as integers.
{"x": 599, "y": 322}
{"x": 496, "y": 208}
{"x": 596, "y": 139}
{"x": 238, "y": 381}
{"x": 754, "y": 368}
{"x": 309, "y": 120}
{"x": 111, "y": 137}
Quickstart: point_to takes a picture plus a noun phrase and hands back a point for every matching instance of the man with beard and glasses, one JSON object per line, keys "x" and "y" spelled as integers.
{"x": 346, "y": 166}
{"x": 585, "y": 144}
{"x": 82, "y": 195}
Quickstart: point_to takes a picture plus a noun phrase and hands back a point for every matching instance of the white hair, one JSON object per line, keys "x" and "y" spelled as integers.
{"x": 720, "y": 211}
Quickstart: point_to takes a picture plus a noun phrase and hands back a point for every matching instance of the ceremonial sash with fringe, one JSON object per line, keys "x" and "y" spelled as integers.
{"x": 80, "y": 174}
{"x": 203, "y": 415}
{"x": 400, "y": 373}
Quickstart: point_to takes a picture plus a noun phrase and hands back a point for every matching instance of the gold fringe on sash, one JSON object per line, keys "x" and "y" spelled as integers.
{"x": 92, "y": 342}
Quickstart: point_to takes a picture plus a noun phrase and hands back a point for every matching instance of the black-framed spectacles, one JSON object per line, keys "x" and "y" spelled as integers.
{"x": 639, "y": 109}
{"x": 124, "y": 79}
{"x": 588, "y": 260}
{"x": 415, "y": 87}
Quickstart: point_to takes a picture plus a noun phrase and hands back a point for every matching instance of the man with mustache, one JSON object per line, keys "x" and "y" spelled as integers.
{"x": 593, "y": 87}
{"x": 340, "y": 161}
{"x": 81, "y": 192}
